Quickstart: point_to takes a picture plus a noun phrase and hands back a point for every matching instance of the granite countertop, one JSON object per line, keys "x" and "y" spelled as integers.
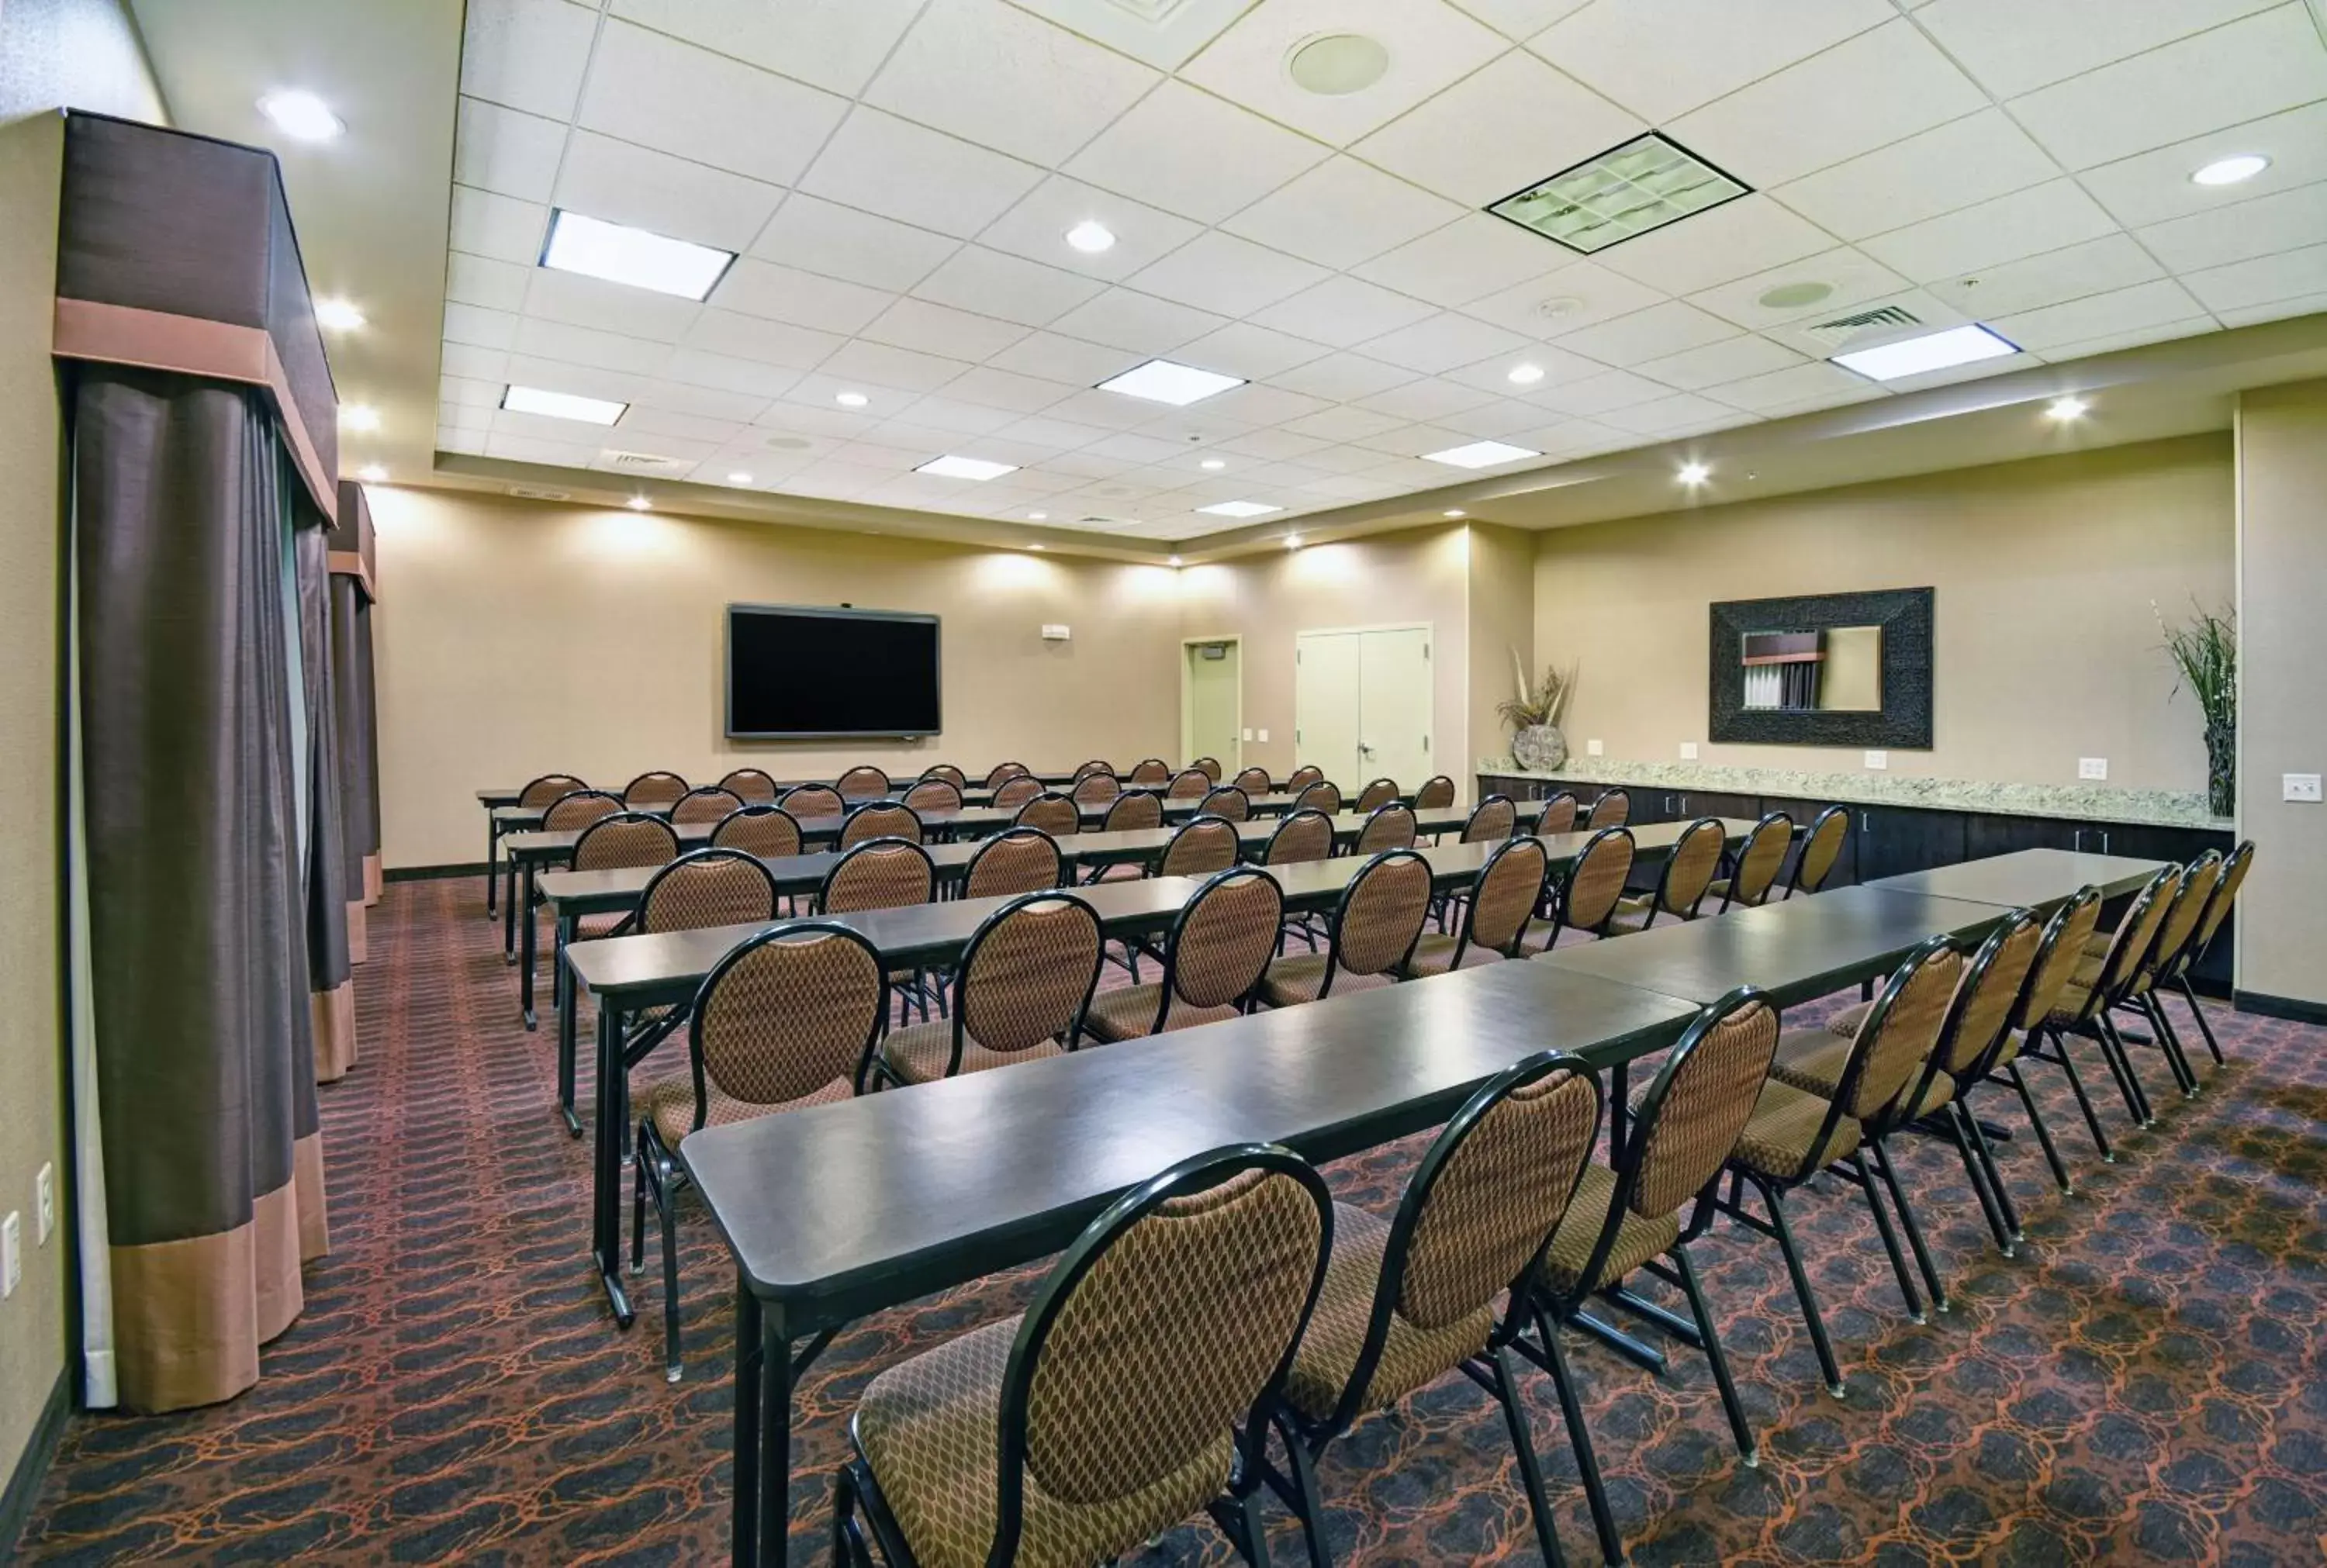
{"x": 2079, "y": 802}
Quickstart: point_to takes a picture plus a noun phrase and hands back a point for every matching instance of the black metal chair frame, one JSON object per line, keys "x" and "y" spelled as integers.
{"x": 1302, "y": 923}
{"x": 1617, "y": 793}
{"x": 1134, "y": 946}
{"x": 652, "y": 1031}
{"x": 2093, "y": 1022}
{"x": 1395, "y": 796}
{"x": 1468, "y": 901}
{"x": 920, "y": 993}
{"x": 788, "y": 795}
{"x": 1015, "y": 834}
{"x": 1575, "y": 809}
{"x": 1373, "y": 867}
{"x": 1986, "y": 1070}
{"x": 2210, "y": 925}
{"x": 2141, "y": 993}
{"x": 726, "y": 782}
{"x": 959, "y": 980}
{"x": 1660, "y": 904}
{"x": 1018, "y": 817}
{"x": 1376, "y": 814}
{"x": 1171, "y": 953}
{"x": 861, "y": 806}
{"x": 1801, "y": 855}
{"x": 1771, "y": 822}
{"x": 654, "y": 773}
{"x": 1554, "y": 905}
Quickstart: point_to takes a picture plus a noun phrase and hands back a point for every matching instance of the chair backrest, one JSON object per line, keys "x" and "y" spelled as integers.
{"x": 863, "y": 780}
{"x": 1612, "y": 809}
{"x": 1227, "y": 802}
{"x": 1202, "y": 846}
{"x": 1134, "y": 810}
{"x": 1504, "y": 895}
{"x": 934, "y": 795}
{"x": 769, "y": 832}
{"x": 1320, "y": 796}
{"x": 708, "y": 887}
{"x": 1897, "y": 1035}
{"x": 1253, "y": 780}
{"x": 577, "y": 809}
{"x": 1095, "y": 765}
{"x": 1491, "y": 820}
{"x": 879, "y": 873}
{"x": 537, "y": 793}
{"x": 1016, "y": 790}
{"x": 881, "y": 819}
{"x": 1688, "y": 1122}
{"x": 1221, "y": 940}
{"x": 1027, "y": 974}
{"x": 1189, "y": 784}
{"x": 752, "y": 786}
{"x": 948, "y": 772}
{"x": 1172, "y": 1319}
{"x": 1051, "y": 812}
{"x": 2065, "y": 935}
{"x": 2131, "y": 942}
{"x": 1559, "y": 814}
{"x": 1377, "y": 795}
{"x": 806, "y": 801}
{"x": 1761, "y": 858}
{"x": 710, "y": 803}
{"x": 1391, "y": 826}
{"x": 1097, "y": 788}
{"x": 1303, "y": 775}
{"x": 2226, "y": 893}
{"x": 627, "y": 838}
{"x": 1821, "y": 849}
{"x": 656, "y": 789}
{"x": 1209, "y": 767}
{"x": 1596, "y": 881}
{"x": 1151, "y": 771}
{"x": 1436, "y": 794}
{"x": 1690, "y": 868}
{"x": 1379, "y": 915}
{"x": 791, "y": 1011}
{"x": 1019, "y": 860}
{"x": 2176, "y": 932}
{"x": 1004, "y": 771}
{"x": 1992, "y": 983}
{"x": 1303, "y": 834}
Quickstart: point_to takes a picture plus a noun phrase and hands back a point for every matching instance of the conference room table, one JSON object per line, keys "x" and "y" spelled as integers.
{"x": 841, "y": 1211}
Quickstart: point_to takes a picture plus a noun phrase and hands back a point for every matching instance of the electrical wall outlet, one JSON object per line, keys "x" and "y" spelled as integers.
{"x": 44, "y": 1203}
{"x": 1688, "y": 751}
{"x": 2092, "y": 767}
{"x": 11, "y": 1254}
{"x": 1878, "y": 760}
{"x": 1264, "y": 736}
{"x": 2298, "y": 787}
{"x": 1592, "y": 748}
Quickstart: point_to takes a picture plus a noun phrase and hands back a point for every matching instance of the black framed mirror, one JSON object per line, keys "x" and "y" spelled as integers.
{"x": 1824, "y": 669}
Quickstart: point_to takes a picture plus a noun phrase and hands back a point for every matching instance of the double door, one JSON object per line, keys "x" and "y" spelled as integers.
{"x": 1361, "y": 705}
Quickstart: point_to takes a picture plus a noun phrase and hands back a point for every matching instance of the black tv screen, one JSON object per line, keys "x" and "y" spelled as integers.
{"x": 805, "y": 673}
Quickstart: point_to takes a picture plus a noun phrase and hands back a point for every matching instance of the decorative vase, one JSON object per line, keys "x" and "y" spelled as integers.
{"x": 1538, "y": 748}
{"x": 2222, "y": 769}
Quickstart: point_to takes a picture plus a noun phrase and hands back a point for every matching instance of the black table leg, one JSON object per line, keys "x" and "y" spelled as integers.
{"x": 493, "y": 854}
{"x": 606, "y": 1167}
{"x": 743, "y": 1510}
{"x": 508, "y": 910}
{"x": 526, "y": 942}
{"x": 567, "y": 996}
{"x": 775, "y": 1487}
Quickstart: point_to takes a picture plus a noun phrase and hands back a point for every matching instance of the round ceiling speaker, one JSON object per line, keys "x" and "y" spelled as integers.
{"x": 1558, "y": 307}
{"x": 1793, "y": 297}
{"x": 1336, "y": 64}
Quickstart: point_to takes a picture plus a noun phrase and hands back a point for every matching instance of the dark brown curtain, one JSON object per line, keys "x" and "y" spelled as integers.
{"x": 330, "y": 933}
{"x": 351, "y": 721}
{"x": 367, "y": 758}
{"x": 199, "y": 903}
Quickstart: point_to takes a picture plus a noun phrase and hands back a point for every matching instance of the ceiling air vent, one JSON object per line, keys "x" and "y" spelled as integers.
{"x": 1625, "y": 191}
{"x": 533, "y": 494}
{"x": 1842, "y": 329}
{"x": 641, "y": 462}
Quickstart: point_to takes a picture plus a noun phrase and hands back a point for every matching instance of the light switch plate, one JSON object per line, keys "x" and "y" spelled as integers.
{"x": 2092, "y": 767}
{"x": 12, "y": 1253}
{"x": 2299, "y": 786}
{"x": 1591, "y": 747}
{"x": 1264, "y": 735}
{"x": 1055, "y": 633}
{"x": 1878, "y": 760}
{"x": 1247, "y": 734}
{"x": 1688, "y": 751}
{"x": 44, "y": 1203}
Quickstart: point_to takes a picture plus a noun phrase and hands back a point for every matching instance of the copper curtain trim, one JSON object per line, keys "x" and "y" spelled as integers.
{"x": 334, "y": 1012}
{"x": 372, "y": 879}
{"x": 359, "y": 933}
{"x": 351, "y": 563}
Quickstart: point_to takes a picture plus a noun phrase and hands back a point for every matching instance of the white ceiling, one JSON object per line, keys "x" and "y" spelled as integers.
{"x": 899, "y": 175}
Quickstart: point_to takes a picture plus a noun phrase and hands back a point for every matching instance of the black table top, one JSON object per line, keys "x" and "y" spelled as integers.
{"x": 2036, "y": 879}
{"x": 508, "y": 797}
{"x": 1794, "y": 950}
{"x": 891, "y": 1195}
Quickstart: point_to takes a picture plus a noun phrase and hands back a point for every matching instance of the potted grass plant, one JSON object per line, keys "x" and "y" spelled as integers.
{"x": 2205, "y": 653}
{"x": 1537, "y": 743}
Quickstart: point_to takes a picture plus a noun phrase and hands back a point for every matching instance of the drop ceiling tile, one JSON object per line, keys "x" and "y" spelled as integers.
{"x": 2117, "y": 311}
{"x": 803, "y": 299}
{"x": 881, "y": 165}
{"x": 1126, "y": 447}
{"x": 1611, "y": 389}
{"x": 901, "y": 370}
{"x": 660, "y": 93}
{"x": 647, "y": 420}
{"x": 1342, "y": 212}
{"x": 620, "y": 183}
{"x": 1036, "y": 229}
{"x": 1112, "y": 410}
{"x": 1519, "y": 20}
{"x": 1951, "y": 166}
{"x": 725, "y": 373}
{"x": 940, "y": 330}
{"x": 1137, "y": 322}
{"x": 1022, "y": 395}
{"x": 527, "y": 54}
{"x": 1543, "y": 123}
{"x": 592, "y": 302}
{"x": 838, "y": 480}
{"x": 2030, "y": 222}
{"x": 565, "y": 375}
{"x": 1442, "y": 341}
{"x": 1650, "y": 334}
{"x": 766, "y": 343}
{"x": 2241, "y": 71}
{"x": 1475, "y": 256}
{"x": 823, "y": 237}
{"x": 582, "y": 346}
{"x": 1272, "y": 445}
{"x": 1871, "y": 89}
{"x": 2245, "y": 285}
{"x": 1411, "y": 441}
{"x": 1069, "y": 360}
{"x": 1737, "y": 237}
{"x": 468, "y": 360}
{"x": 947, "y": 412}
{"x": 1493, "y": 374}
{"x": 993, "y": 74}
{"x": 477, "y": 280}
{"x": 1684, "y": 414}
{"x": 1078, "y": 466}
{"x": 2155, "y": 186}
{"x": 1853, "y": 278}
{"x": 1576, "y": 296}
{"x": 834, "y": 44}
{"x": 1733, "y": 361}
{"x": 2012, "y": 47}
{"x": 2285, "y": 220}
{"x": 1345, "y": 423}
{"x": 506, "y": 152}
{"x": 1431, "y": 45}
{"x": 1817, "y": 385}
{"x": 1235, "y": 277}
{"x": 2277, "y": 310}
{"x": 1255, "y": 353}
{"x": 498, "y": 227}
{"x": 2095, "y": 266}
{"x": 482, "y": 329}
{"x": 1259, "y": 404}
{"x": 1009, "y": 286}
{"x": 1061, "y": 434}
{"x": 1356, "y": 488}
{"x": 1428, "y": 399}
{"x": 458, "y": 392}
{"x": 1343, "y": 312}
{"x": 1189, "y": 153}
{"x": 809, "y": 406}
{"x": 453, "y": 439}
{"x": 537, "y": 449}
{"x": 1342, "y": 378}
{"x": 1622, "y": 48}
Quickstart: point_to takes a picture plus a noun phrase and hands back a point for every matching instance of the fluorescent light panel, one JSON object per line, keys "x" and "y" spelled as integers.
{"x": 1480, "y": 455}
{"x": 1931, "y": 351}
{"x": 1161, "y": 381}
{"x": 621, "y": 254}
{"x": 1239, "y": 508}
{"x": 1627, "y": 191}
{"x": 977, "y": 468}
{"x": 562, "y": 406}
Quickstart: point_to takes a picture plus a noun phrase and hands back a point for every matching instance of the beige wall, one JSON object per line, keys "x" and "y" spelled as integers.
{"x": 515, "y": 638}
{"x": 1503, "y": 621}
{"x": 2282, "y": 654}
{"x": 2047, "y": 649}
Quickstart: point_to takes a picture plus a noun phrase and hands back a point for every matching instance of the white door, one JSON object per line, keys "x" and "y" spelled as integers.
{"x": 1326, "y": 713}
{"x": 1394, "y": 707}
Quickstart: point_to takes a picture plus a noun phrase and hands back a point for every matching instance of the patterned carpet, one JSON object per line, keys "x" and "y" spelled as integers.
{"x": 2143, "y": 1383}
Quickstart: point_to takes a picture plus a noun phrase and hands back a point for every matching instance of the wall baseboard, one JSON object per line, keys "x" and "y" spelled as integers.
{"x": 31, "y": 1466}
{"x": 433, "y": 872}
{"x": 2293, "y": 1007}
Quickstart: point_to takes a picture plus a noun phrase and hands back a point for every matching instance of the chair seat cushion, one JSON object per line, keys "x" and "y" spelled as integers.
{"x": 1293, "y": 981}
{"x": 929, "y": 1427}
{"x": 1435, "y": 953}
{"x": 2097, "y": 944}
{"x": 1778, "y": 1135}
{"x": 590, "y": 928}
{"x": 1631, "y": 915}
{"x": 1411, "y": 1356}
{"x": 1811, "y": 1059}
{"x": 920, "y": 1054}
{"x": 1128, "y": 1012}
{"x": 1846, "y": 1022}
{"x": 669, "y": 1106}
{"x": 1570, "y": 1252}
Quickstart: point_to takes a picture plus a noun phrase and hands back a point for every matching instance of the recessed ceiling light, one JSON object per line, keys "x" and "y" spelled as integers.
{"x": 1038, "y": 517}
{"x": 1627, "y": 191}
{"x": 1454, "y": 512}
{"x": 302, "y": 115}
{"x": 1171, "y": 561}
{"x": 2064, "y": 409}
{"x": 1292, "y": 541}
{"x": 850, "y": 400}
{"x": 1525, "y": 374}
{"x": 1161, "y": 381}
{"x": 1931, "y": 351}
{"x": 338, "y": 316}
{"x": 1037, "y": 546}
{"x": 372, "y": 473}
{"x": 1336, "y": 64}
{"x": 1794, "y": 296}
{"x": 1480, "y": 455}
{"x": 1239, "y": 508}
{"x": 1090, "y": 236}
{"x": 739, "y": 477}
{"x": 977, "y": 468}
{"x": 621, "y": 254}
{"x": 1213, "y": 464}
{"x": 359, "y": 417}
{"x": 1693, "y": 474}
{"x": 639, "y": 504}
{"x": 2230, "y": 170}
{"x": 562, "y": 406}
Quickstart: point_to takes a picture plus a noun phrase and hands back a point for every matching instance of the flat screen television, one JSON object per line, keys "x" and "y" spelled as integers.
{"x": 797, "y": 673}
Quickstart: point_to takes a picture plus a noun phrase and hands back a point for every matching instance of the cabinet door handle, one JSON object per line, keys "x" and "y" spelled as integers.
{"x": 1863, "y": 825}
{"x": 2104, "y": 841}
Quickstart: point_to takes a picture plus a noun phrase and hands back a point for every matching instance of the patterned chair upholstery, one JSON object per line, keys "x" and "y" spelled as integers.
{"x": 1436, "y": 794}
{"x": 1303, "y": 776}
{"x": 1188, "y": 784}
{"x": 1558, "y": 816}
{"x": 1204, "y": 845}
{"x": 1015, "y": 791}
{"x": 1214, "y": 956}
{"x": 1502, "y": 899}
{"x": 709, "y": 804}
{"x": 1319, "y": 796}
{"x": 1097, "y": 788}
{"x": 1025, "y": 980}
{"x": 1022, "y": 860}
{"x": 537, "y": 793}
{"x": 1053, "y": 813}
{"x": 881, "y": 819}
{"x": 618, "y": 842}
{"x": 1151, "y": 771}
{"x": 863, "y": 780}
{"x": 1391, "y": 826}
{"x": 1303, "y": 834}
{"x": 752, "y": 786}
{"x": 879, "y": 873}
{"x": 1228, "y": 803}
{"x": 1376, "y": 795}
{"x": 1612, "y": 809}
{"x": 809, "y": 801}
{"x": 1759, "y": 859}
{"x": 1493, "y": 819}
{"x": 1095, "y": 765}
{"x": 655, "y": 789}
{"x": 1253, "y": 780}
{"x": 768, "y": 832}
{"x": 1681, "y": 885}
{"x": 577, "y": 809}
{"x": 1595, "y": 884}
{"x": 1134, "y": 811}
{"x": 1209, "y": 767}
{"x": 1376, "y": 923}
{"x": 948, "y": 772}
{"x": 934, "y": 795}
{"x": 1820, "y": 850}
{"x": 1004, "y": 771}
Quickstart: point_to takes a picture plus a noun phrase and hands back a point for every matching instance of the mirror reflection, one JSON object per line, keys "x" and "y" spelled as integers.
{"x": 1837, "y": 669}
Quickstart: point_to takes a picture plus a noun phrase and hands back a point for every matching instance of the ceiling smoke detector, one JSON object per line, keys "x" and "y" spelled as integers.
{"x": 1336, "y": 64}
